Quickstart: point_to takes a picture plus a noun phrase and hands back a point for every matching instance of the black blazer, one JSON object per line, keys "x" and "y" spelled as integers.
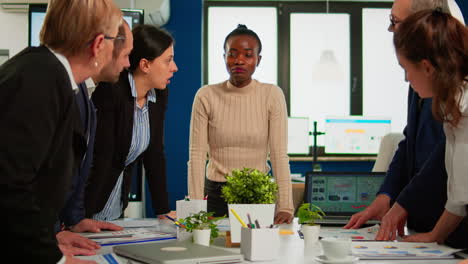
{"x": 40, "y": 144}
{"x": 115, "y": 108}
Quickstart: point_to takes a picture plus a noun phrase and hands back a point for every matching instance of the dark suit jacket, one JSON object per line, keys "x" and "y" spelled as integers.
{"x": 39, "y": 146}
{"x": 74, "y": 211}
{"x": 115, "y": 109}
{"x": 416, "y": 177}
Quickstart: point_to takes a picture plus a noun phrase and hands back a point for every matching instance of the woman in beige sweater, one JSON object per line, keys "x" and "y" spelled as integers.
{"x": 239, "y": 123}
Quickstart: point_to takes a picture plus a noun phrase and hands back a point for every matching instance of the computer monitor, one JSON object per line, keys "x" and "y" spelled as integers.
{"x": 4, "y": 55}
{"x": 355, "y": 134}
{"x": 298, "y": 135}
{"x": 342, "y": 193}
{"x": 37, "y": 14}
{"x": 133, "y": 17}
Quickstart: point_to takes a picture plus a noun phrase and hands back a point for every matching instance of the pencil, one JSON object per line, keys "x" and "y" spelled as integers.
{"x": 238, "y": 218}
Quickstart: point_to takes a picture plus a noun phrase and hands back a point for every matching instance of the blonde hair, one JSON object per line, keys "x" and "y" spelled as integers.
{"x": 70, "y": 25}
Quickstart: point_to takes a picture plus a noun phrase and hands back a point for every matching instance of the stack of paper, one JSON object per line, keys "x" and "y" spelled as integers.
{"x": 128, "y": 235}
{"x": 401, "y": 250}
{"x": 362, "y": 234}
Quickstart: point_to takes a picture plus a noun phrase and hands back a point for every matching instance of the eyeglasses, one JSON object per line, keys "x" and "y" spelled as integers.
{"x": 393, "y": 21}
{"x": 119, "y": 37}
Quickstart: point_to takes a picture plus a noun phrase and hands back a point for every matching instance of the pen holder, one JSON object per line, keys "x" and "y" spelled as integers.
{"x": 260, "y": 244}
{"x": 185, "y": 208}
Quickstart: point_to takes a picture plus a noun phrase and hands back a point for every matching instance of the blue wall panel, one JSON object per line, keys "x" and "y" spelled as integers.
{"x": 185, "y": 25}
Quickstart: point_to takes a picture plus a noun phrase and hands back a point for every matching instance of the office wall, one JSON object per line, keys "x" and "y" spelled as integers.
{"x": 14, "y": 31}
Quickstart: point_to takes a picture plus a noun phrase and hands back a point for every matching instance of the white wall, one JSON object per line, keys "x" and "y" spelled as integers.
{"x": 14, "y": 31}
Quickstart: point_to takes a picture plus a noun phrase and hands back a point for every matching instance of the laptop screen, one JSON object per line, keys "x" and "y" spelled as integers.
{"x": 342, "y": 193}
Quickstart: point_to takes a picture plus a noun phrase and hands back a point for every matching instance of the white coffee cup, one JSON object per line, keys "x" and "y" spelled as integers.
{"x": 336, "y": 248}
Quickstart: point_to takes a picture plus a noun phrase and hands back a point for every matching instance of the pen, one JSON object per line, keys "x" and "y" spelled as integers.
{"x": 175, "y": 221}
{"x": 238, "y": 218}
{"x": 109, "y": 236}
{"x": 301, "y": 235}
{"x": 170, "y": 218}
{"x": 250, "y": 219}
{"x": 257, "y": 223}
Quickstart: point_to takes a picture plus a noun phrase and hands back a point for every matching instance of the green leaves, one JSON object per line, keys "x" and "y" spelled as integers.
{"x": 308, "y": 213}
{"x": 249, "y": 186}
{"x": 202, "y": 220}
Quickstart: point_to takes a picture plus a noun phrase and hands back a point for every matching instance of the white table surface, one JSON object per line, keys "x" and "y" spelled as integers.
{"x": 291, "y": 250}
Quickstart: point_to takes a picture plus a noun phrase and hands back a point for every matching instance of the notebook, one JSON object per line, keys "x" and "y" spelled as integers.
{"x": 181, "y": 252}
{"x": 342, "y": 194}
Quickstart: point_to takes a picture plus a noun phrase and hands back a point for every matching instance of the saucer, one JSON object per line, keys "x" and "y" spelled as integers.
{"x": 348, "y": 259}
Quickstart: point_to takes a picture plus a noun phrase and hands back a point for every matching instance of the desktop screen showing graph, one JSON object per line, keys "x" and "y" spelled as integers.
{"x": 344, "y": 193}
{"x": 355, "y": 134}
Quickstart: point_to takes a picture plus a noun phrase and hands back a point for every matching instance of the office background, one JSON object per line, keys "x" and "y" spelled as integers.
{"x": 186, "y": 25}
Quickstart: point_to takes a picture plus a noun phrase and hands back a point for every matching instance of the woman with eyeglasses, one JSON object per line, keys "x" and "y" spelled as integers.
{"x": 130, "y": 127}
{"x": 241, "y": 123}
{"x": 432, "y": 48}
{"x": 40, "y": 140}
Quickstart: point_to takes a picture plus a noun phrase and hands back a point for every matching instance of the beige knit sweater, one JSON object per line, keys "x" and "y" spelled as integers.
{"x": 238, "y": 128}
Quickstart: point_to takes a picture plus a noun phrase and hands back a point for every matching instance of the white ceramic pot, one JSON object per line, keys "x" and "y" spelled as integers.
{"x": 263, "y": 213}
{"x": 202, "y": 236}
{"x": 311, "y": 235}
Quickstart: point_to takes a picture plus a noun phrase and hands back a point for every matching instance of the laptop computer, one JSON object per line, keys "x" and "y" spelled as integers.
{"x": 181, "y": 252}
{"x": 342, "y": 194}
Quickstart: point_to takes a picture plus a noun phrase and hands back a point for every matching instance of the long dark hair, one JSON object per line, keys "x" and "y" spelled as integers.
{"x": 149, "y": 42}
{"x": 442, "y": 40}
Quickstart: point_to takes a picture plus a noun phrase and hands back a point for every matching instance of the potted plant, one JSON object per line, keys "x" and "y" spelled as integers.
{"x": 249, "y": 192}
{"x": 307, "y": 215}
{"x": 202, "y": 225}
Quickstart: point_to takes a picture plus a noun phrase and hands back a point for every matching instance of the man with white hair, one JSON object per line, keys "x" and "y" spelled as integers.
{"x": 414, "y": 191}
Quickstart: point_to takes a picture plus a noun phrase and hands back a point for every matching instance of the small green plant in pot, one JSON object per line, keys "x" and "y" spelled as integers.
{"x": 249, "y": 186}
{"x": 249, "y": 192}
{"x": 307, "y": 215}
{"x": 202, "y": 221}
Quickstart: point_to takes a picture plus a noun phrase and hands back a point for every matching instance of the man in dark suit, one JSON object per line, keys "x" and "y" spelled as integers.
{"x": 414, "y": 191}
{"x": 72, "y": 216}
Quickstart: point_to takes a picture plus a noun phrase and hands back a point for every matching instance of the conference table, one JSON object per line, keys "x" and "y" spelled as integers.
{"x": 291, "y": 249}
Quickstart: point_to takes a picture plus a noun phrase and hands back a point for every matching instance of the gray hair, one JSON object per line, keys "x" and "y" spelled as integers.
{"x": 418, "y": 5}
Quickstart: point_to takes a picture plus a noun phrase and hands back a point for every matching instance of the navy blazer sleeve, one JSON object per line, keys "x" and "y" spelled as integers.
{"x": 417, "y": 178}
{"x": 74, "y": 210}
{"x": 398, "y": 170}
{"x": 154, "y": 159}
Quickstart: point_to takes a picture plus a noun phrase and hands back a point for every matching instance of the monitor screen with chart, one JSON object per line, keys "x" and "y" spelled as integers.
{"x": 37, "y": 14}
{"x": 355, "y": 134}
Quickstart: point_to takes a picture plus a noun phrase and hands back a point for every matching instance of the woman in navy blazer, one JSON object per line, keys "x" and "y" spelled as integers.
{"x": 130, "y": 127}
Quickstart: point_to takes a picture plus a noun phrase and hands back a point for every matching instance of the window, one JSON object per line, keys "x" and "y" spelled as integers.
{"x": 385, "y": 91}
{"x": 320, "y": 66}
{"x": 335, "y": 59}
{"x": 262, "y": 20}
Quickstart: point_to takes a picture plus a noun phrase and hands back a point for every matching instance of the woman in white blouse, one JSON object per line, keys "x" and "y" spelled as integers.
{"x": 432, "y": 47}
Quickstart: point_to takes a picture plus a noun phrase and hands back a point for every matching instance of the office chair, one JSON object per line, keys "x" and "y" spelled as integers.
{"x": 388, "y": 146}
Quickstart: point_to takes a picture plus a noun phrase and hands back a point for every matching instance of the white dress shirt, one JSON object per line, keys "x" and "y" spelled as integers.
{"x": 456, "y": 160}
